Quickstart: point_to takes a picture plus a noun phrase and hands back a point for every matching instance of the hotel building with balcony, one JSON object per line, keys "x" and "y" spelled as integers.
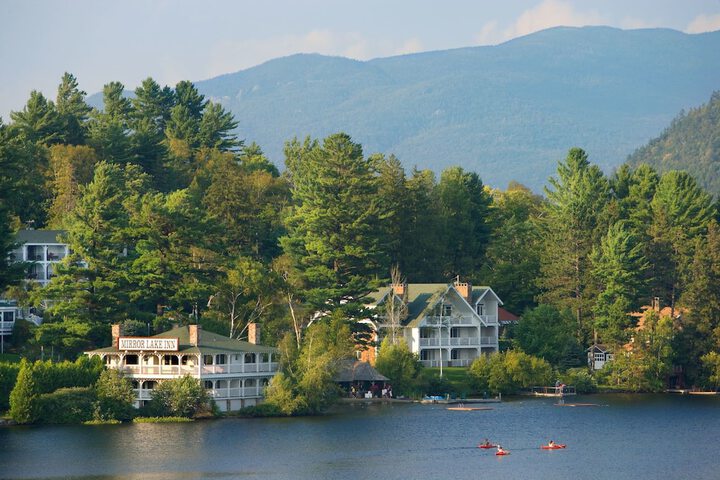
{"x": 40, "y": 250}
{"x": 235, "y": 373}
{"x": 449, "y": 323}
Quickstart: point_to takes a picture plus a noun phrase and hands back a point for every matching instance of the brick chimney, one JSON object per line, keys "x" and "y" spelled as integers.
{"x": 401, "y": 290}
{"x": 115, "y": 332}
{"x": 254, "y": 333}
{"x": 464, "y": 289}
{"x": 194, "y": 334}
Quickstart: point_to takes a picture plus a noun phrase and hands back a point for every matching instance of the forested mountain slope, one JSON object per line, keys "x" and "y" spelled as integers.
{"x": 690, "y": 143}
{"x": 508, "y": 111}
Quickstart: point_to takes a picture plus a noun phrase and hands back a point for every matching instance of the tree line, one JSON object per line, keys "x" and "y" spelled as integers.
{"x": 171, "y": 218}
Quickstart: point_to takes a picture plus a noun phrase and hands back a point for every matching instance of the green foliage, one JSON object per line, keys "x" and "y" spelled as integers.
{"x": 711, "y": 362}
{"x": 182, "y": 397}
{"x": 115, "y": 396}
{"x": 547, "y": 332}
{"x": 8, "y": 377}
{"x": 66, "y": 405}
{"x": 509, "y": 372}
{"x": 332, "y": 236}
{"x": 690, "y": 143}
{"x": 580, "y": 379}
{"x": 23, "y": 398}
{"x": 304, "y": 385}
{"x": 261, "y": 410}
{"x": 571, "y": 225}
{"x": 400, "y": 365}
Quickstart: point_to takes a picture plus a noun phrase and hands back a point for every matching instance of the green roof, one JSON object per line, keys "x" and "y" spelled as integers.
{"x": 210, "y": 343}
{"x": 422, "y": 297}
{"x": 39, "y": 236}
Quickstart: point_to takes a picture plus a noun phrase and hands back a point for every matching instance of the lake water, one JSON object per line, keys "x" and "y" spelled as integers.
{"x": 630, "y": 437}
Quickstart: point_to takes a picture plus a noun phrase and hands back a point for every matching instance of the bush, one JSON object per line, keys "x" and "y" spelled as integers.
{"x": 8, "y": 376}
{"x": 509, "y": 372}
{"x": 115, "y": 397}
{"x": 580, "y": 379}
{"x": 23, "y": 398}
{"x": 400, "y": 365}
{"x": 182, "y": 397}
{"x": 66, "y": 405}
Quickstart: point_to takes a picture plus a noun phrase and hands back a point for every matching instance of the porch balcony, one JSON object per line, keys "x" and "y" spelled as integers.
{"x": 205, "y": 370}
{"x": 457, "y": 341}
{"x": 464, "y": 362}
{"x": 489, "y": 319}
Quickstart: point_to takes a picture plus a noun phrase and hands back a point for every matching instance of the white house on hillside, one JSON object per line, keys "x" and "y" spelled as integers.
{"x": 449, "y": 323}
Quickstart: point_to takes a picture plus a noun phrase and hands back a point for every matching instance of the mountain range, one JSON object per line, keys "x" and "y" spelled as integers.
{"x": 508, "y": 112}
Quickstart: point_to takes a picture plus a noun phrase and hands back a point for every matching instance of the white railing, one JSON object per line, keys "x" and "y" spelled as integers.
{"x": 240, "y": 368}
{"x": 432, "y": 363}
{"x": 193, "y": 370}
{"x": 235, "y": 392}
{"x": 488, "y": 341}
{"x": 6, "y": 328}
{"x": 448, "y": 321}
{"x": 449, "y": 342}
{"x": 489, "y": 319}
{"x": 463, "y": 362}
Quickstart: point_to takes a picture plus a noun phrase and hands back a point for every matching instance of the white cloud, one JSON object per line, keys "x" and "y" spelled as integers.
{"x": 549, "y": 13}
{"x": 411, "y": 45}
{"x": 229, "y": 55}
{"x": 704, "y": 23}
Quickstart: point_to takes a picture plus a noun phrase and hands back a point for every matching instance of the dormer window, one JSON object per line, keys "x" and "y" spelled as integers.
{"x": 446, "y": 310}
{"x": 480, "y": 308}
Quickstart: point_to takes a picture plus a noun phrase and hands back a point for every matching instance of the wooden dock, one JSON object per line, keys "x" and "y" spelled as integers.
{"x": 562, "y": 391}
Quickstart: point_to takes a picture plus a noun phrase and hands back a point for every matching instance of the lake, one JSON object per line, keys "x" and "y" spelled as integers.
{"x": 629, "y": 437}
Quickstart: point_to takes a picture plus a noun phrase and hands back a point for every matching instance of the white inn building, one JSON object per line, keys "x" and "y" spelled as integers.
{"x": 449, "y": 323}
{"x": 235, "y": 373}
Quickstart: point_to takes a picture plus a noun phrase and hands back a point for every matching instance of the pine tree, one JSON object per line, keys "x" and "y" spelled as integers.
{"x": 422, "y": 245}
{"x": 72, "y": 110}
{"x": 618, "y": 264}
{"x": 570, "y": 227}
{"x": 332, "y": 229}
{"x": 38, "y": 122}
{"x": 23, "y": 398}
{"x": 216, "y": 127}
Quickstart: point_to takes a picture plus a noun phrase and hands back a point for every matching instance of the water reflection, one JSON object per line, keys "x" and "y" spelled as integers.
{"x": 633, "y": 437}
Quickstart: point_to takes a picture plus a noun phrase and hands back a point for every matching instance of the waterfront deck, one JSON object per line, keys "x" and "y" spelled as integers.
{"x": 562, "y": 391}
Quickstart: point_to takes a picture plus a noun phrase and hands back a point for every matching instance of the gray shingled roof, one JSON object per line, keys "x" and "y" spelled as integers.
{"x": 39, "y": 236}
{"x": 210, "y": 343}
{"x": 352, "y": 370}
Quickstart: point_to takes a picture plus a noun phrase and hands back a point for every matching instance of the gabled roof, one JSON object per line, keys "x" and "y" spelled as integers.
{"x": 351, "y": 370}
{"x": 39, "y": 236}
{"x": 422, "y": 298}
{"x": 505, "y": 316}
{"x": 210, "y": 343}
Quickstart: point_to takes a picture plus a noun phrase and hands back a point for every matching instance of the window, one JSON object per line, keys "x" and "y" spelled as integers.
{"x": 35, "y": 253}
{"x": 208, "y": 359}
{"x": 184, "y": 359}
{"x": 424, "y": 354}
{"x": 454, "y": 333}
{"x": 220, "y": 359}
{"x": 208, "y": 384}
{"x": 131, "y": 360}
{"x": 170, "y": 360}
{"x": 8, "y": 316}
{"x": 480, "y": 308}
{"x": 447, "y": 310}
{"x": 249, "y": 358}
{"x": 426, "y": 333}
{"x": 454, "y": 355}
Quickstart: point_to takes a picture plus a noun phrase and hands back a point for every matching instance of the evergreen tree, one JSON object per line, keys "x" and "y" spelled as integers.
{"x": 513, "y": 254}
{"x": 618, "y": 264}
{"x": 109, "y": 129}
{"x": 72, "y": 110}
{"x": 38, "y": 122}
{"x": 332, "y": 229}
{"x": 11, "y": 270}
{"x": 393, "y": 203}
{"x": 681, "y": 211}
{"x": 464, "y": 210}
{"x": 571, "y": 225}
{"x": 216, "y": 127}
{"x": 23, "y": 398}
{"x": 423, "y": 246}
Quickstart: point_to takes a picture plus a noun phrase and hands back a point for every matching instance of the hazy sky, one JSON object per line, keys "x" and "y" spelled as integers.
{"x": 100, "y": 41}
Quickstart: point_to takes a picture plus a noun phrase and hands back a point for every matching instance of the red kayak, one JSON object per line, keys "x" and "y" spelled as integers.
{"x": 487, "y": 446}
{"x": 502, "y": 453}
{"x": 553, "y": 447}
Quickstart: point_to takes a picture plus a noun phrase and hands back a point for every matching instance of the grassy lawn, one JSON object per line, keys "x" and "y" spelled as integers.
{"x": 457, "y": 376}
{"x": 9, "y": 357}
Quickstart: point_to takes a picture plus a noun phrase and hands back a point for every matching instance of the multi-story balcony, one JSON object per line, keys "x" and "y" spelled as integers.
{"x": 174, "y": 370}
{"x": 458, "y": 341}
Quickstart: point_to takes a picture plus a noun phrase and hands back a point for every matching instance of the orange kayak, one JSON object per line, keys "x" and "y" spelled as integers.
{"x": 502, "y": 453}
{"x": 487, "y": 446}
{"x": 554, "y": 447}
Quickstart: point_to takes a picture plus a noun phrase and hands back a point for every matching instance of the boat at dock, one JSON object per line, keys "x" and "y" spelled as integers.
{"x": 559, "y": 391}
